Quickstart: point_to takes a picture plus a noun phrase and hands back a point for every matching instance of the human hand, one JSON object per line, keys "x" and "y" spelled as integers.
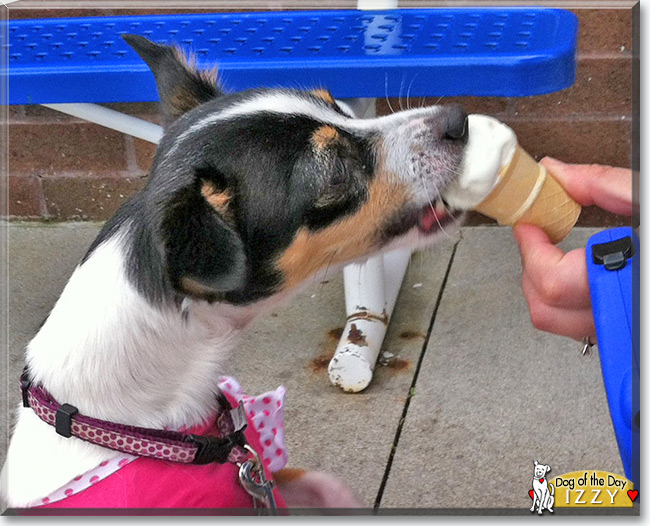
{"x": 555, "y": 284}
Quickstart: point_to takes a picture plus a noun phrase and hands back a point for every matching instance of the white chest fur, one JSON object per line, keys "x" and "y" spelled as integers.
{"x": 115, "y": 356}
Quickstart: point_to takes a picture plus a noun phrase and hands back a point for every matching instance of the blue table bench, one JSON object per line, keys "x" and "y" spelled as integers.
{"x": 434, "y": 52}
{"x": 71, "y": 64}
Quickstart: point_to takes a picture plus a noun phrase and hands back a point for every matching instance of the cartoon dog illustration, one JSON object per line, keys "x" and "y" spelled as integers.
{"x": 543, "y": 491}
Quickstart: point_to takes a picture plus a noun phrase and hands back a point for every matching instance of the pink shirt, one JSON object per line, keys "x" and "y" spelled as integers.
{"x": 137, "y": 482}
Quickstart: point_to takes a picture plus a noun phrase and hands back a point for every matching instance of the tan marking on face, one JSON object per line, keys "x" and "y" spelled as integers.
{"x": 323, "y": 94}
{"x": 324, "y": 136}
{"x": 217, "y": 199}
{"x": 347, "y": 239}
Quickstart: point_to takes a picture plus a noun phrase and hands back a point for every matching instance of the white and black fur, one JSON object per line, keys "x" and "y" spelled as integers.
{"x": 249, "y": 195}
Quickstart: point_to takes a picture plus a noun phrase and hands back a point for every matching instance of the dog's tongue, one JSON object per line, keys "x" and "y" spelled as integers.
{"x": 429, "y": 218}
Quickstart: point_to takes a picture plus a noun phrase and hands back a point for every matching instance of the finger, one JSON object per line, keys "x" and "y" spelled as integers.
{"x": 569, "y": 301}
{"x": 535, "y": 245}
{"x": 559, "y": 279}
{"x": 530, "y": 294}
{"x": 575, "y": 324}
{"x": 566, "y": 286}
{"x": 593, "y": 184}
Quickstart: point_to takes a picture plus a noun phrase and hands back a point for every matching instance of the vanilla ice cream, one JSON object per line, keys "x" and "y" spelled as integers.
{"x": 490, "y": 147}
{"x": 501, "y": 180}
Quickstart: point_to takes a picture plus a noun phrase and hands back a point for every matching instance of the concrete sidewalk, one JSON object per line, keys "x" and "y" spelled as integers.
{"x": 473, "y": 396}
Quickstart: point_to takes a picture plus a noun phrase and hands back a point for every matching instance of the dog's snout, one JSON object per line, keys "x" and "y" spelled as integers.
{"x": 456, "y": 125}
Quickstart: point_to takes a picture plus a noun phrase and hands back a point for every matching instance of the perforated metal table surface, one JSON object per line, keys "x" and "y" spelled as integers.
{"x": 419, "y": 52}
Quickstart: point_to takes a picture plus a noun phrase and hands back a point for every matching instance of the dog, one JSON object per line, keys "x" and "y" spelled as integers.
{"x": 250, "y": 196}
{"x": 543, "y": 490}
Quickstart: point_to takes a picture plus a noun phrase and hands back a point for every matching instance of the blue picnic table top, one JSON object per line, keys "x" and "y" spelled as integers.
{"x": 402, "y": 52}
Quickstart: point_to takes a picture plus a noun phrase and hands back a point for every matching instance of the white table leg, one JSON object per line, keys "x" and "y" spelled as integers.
{"x": 112, "y": 119}
{"x": 371, "y": 289}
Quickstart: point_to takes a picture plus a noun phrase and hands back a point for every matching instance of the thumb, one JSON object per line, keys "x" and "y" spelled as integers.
{"x": 537, "y": 251}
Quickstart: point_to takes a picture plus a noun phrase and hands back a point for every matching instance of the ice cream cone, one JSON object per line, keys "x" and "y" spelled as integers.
{"x": 527, "y": 193}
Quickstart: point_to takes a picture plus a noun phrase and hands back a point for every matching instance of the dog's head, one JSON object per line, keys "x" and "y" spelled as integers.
{"x": 252, "y": 193}
{"x": 541, "y": 470}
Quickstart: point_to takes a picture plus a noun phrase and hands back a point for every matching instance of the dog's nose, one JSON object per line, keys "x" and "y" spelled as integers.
{"x": 456, "y": 125}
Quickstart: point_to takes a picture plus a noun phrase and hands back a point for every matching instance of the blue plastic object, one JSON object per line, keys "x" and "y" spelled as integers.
{"x": 407, "y": 53}
{"x": 613, "y": 267}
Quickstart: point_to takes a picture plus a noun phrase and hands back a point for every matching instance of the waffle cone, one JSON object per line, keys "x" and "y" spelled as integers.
{"x": 527, "y": 193}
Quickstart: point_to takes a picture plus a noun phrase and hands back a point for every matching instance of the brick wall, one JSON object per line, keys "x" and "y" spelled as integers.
{"x": 61, "y": 168}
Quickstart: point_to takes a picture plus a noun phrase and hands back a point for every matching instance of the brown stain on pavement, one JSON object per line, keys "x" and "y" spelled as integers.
{"x": 398, "y": 364}
{"x": 322, "y": 361}
{"x": 336, "y": 333}
{"x": 412, "y": 335}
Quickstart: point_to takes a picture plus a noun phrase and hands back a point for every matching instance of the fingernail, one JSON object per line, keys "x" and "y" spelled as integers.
{"x": 553, "y": 160}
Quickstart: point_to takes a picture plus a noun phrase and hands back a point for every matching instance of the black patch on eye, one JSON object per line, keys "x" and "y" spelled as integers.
{"x": 268, "y": 163}
{"x": 321, "y": 217}
{"x": 346, "y": 182}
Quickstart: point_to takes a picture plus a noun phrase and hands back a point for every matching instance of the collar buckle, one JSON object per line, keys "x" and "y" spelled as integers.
{"x": 212, "y": 449}
{"x": 25, "y": 384}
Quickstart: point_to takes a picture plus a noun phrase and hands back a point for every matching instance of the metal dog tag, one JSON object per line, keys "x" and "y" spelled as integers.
{"x": 254, "y": 481}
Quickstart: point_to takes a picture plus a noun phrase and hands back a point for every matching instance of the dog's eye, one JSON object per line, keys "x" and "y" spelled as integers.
{"x": 332, "y": 195}
{"x": 336, "y": 187}
{"x": 333, "y": 202}
{"x": 337, "y": 180}
{"x": 340, "y": 178}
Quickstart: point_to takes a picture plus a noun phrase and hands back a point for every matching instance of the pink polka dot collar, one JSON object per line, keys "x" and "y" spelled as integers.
{"x": 265, "y": 412}
{"x": 153, "y": 443}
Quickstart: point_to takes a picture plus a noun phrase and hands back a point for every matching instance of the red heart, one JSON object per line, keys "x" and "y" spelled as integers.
{"x": 531, "y": 493}
{"x": 632, "y": 493}
{"x": 541, "y": 480}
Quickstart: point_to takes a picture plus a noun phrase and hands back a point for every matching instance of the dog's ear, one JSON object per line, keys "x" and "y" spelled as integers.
{"x": 204, "y": 253}
{"x": 181, "y": 86}
{"x": 548, "y": 468}
{"x": 536, "y": 463}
